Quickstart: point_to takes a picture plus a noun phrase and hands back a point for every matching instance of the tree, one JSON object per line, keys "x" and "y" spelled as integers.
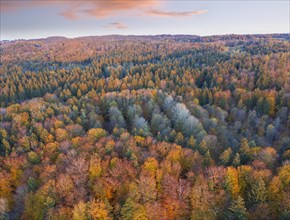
{"x": 34, "y": 207}
{"x": 271, "y": 133}
{"x": 232, "y": 182}
{"x": 64, "y": 189}
{"x": 277, "y": 196}
{"x": 140, "y": 127}
{"x": 258, "y": 193}
{"x": 269, "y": 156}
{"x": 79, "y": 93}
{"x": 237, "y": 210}
{"x": 140, "y": 213}
{"x": 175, "y": 194}
{"x": 284, "y": 175}
{"x": 172, "y": 136}
{"x": 61, "y": 134}
{"x": 45, "y": 137}
{"x": 80, "y": 211}
{"x": 202, "y": 147}
{"x": 207, "y": 160}
{"x": 116, "y": 118}
{"x": 3, "y": 142}
{"x": 95, "y": 168}
{"x": 33, "y": 157}
{"x": 202, "y": 200}
{"x": 151, "y": 165}
{"x": 226, "y": 156}
{"x": 236, "y": 160}
{"x": 245, "y": 151}
{"x": 99, "y": 210}
{"x": 191, "y": 142}
{"x": 191, "y": 126}
{"x": 159, "y": 123}
{"x": 95, "y": 134}
{"x": 179, "y": 138}
{"x": 147, "y": 188}
{"x": 133, "y": 211}
{"x": 84, "y": 120}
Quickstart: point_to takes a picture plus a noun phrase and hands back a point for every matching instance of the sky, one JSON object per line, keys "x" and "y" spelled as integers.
{"x": 30, "y": 19}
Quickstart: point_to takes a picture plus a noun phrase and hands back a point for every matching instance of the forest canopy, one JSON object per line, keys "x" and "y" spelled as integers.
{"x": 145, "y": 127}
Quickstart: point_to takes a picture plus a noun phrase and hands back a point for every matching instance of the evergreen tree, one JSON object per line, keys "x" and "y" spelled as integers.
{"x": 258, "y": 193}
{"x": 237, "y": 210}
{"x": 202, "y": 147}
{"x": 245, "y": 151}
{"x": 236, "y": 160}
{"x": 207, "y": 160}
{"x": 191, "y": 142}
{"x": 225, "y": 157}
{"x": 179, "y": 138}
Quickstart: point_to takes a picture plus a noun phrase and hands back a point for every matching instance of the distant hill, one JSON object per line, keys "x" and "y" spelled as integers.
{"x": 62, "y": 49}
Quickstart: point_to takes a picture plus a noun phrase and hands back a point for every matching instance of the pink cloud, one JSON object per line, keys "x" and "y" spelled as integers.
{"x": 175, "y": 13}
{"x": 69, "y": 14}
{"x": 96, "y": 8}
{"x": 77, "y": 9}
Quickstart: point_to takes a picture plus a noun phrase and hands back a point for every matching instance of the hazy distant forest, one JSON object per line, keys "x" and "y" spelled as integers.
{"x": 145, "y": 127}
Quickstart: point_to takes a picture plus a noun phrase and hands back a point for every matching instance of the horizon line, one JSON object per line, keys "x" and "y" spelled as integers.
{"x": 138, "y": 35}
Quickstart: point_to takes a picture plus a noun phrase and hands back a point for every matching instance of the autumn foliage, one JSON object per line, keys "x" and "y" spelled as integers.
{"x": 159, "y": 127}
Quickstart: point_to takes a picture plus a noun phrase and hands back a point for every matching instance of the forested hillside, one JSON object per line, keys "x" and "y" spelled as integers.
{"x": 145, "y": 127}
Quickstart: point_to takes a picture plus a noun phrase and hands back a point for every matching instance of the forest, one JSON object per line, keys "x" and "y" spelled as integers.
{"x": 145, "y": 127}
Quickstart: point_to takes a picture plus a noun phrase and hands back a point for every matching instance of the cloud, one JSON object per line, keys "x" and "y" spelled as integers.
{"x": 110, "y": 7}
{"x": 69, "y": 14}
{"x": 77, "y": 9}
{"x": 175, "y": 13}
{"x": 116, "y": 25}
{"x": 10, "y": 5}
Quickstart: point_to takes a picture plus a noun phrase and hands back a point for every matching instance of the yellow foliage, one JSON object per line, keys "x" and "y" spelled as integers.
{"x": 58, "y": 124}
{"x": 175, "y": 154}
{"x": 98, "y": 210}
{"x": 151, "y": 164}
{"x": 95, "y": 169}
{"x": 96, "y": 133}
{"x": 51, "y": 147}
{"x": 232, "y": 182}
{"x": 79, "y": 211}
{"x": 76, "y": 141}
{"x": 275, "y": 187}
{"x": 15, "y": 175}
{"x": 284, "y": 174}
{"x": 139, "y": 140}
{"x": 110, "y": 144}
{"x": 61, "y": 134}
